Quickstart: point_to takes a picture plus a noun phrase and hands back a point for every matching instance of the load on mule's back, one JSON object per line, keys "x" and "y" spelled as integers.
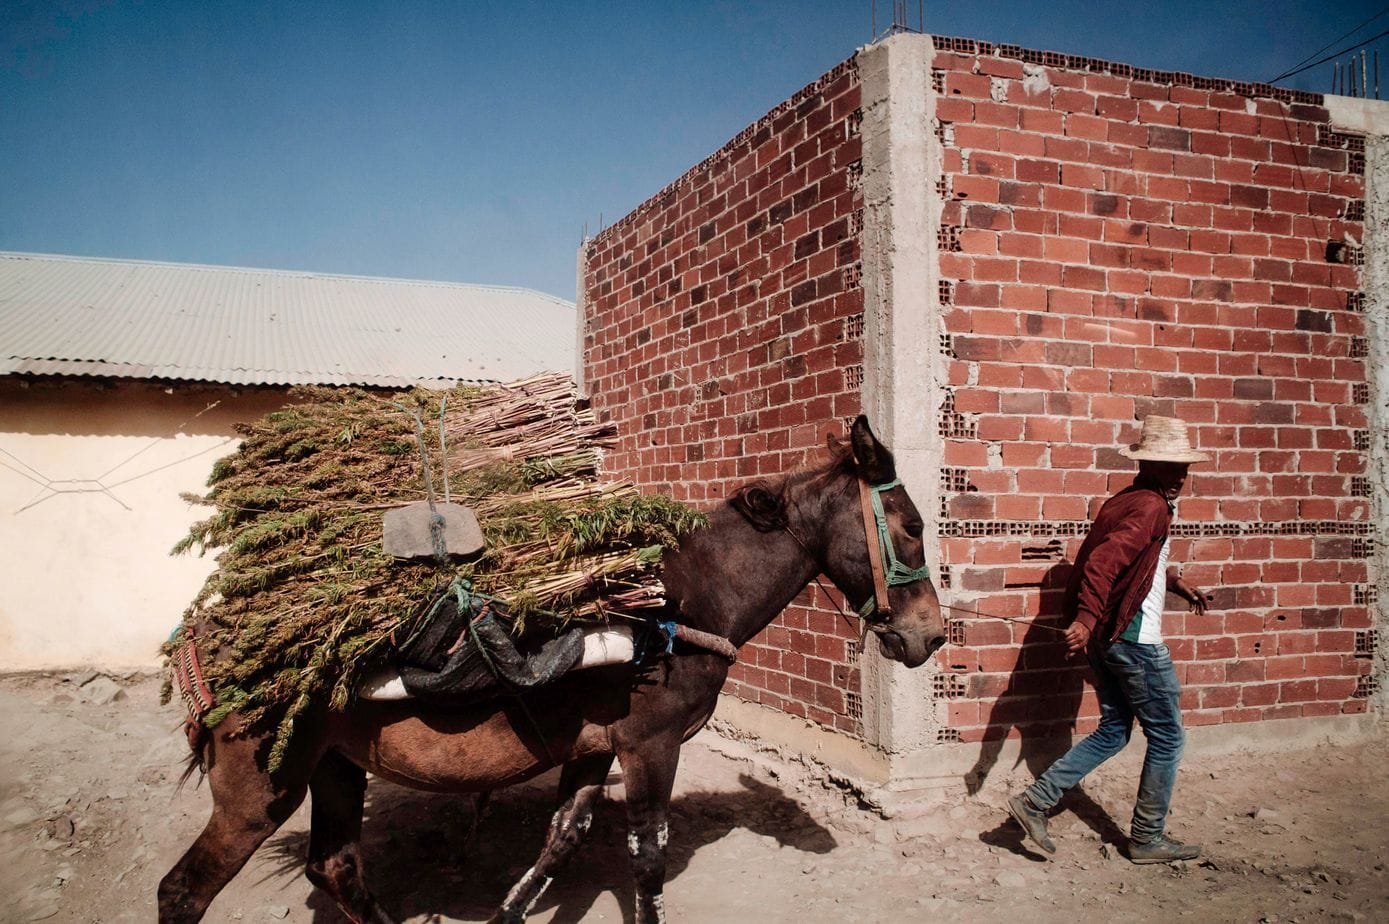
{"x": 308, "y": 598}
{"x": 725, "y": 579}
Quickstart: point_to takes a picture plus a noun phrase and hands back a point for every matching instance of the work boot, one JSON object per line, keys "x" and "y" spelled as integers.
{"x": 1033, "y": 821}
{"x": 1162, "y": 849}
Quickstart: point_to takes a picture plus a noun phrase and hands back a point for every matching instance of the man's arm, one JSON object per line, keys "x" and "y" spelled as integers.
{"x": 1187, "y": 592}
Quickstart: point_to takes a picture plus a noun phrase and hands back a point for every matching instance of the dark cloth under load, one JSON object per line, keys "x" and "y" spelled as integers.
{"x": 462, "y": 651}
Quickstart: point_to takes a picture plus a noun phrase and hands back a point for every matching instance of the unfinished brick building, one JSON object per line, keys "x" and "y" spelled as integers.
{"x": 1006, "y": 258}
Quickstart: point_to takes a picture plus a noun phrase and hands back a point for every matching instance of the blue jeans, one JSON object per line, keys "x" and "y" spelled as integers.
{"x": 1133, "y": 682}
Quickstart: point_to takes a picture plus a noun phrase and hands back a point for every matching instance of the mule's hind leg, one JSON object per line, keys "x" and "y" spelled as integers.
{"x": 247, "y": 808}
{"x": 580, "y": 788}
{"x": 338, "y": 788}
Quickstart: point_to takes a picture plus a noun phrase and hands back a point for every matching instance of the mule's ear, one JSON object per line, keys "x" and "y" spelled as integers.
{"x": 764, "y": 508}
{"x": 838, "y": 446}
{"x": 872, "y": 459}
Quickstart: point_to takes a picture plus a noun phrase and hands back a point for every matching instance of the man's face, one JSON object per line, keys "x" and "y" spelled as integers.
{"x": 1170, "y": 476}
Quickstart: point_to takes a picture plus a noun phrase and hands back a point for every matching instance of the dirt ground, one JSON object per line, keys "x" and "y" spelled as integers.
{"x": 91, "y": 818}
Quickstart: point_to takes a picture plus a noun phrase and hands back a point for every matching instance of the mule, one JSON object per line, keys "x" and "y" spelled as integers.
{"x": 729, "y": 579}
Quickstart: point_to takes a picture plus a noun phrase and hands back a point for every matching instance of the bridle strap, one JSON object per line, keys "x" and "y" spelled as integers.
{"x": 875, "y": 552}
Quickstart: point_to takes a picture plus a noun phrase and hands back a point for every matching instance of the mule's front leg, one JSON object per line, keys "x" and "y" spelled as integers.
{"x": 580, "y": 788}
{"x": 649, "y": 778}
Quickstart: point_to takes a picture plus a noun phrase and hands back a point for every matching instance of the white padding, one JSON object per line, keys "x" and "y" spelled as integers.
{"x": 608, "y": 645}
{"x": 385, "y": 685}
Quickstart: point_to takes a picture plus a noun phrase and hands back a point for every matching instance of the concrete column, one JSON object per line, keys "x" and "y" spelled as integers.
{"x": 1371, "y": 118}
{"x": 903, "y": 366}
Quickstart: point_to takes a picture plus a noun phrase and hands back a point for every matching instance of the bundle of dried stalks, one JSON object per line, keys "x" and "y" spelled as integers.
{"x": 304, "y": 599}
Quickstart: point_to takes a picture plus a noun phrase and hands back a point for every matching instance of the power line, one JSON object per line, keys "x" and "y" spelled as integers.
{"x": 1334, "y": 54}
{"x": 1290, "y": 71}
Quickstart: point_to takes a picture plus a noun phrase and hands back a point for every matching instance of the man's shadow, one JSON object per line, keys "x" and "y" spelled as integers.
{"x": 1041, "y": 704}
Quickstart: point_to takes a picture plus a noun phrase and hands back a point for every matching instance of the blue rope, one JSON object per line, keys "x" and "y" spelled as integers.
{"x": 669, "y": 629}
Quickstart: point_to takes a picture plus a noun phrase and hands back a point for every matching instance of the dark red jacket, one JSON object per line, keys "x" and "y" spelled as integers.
{"x": 1115, "y": 565}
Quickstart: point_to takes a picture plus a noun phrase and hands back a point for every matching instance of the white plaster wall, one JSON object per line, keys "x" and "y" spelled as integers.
{"x": 86, "y": 578}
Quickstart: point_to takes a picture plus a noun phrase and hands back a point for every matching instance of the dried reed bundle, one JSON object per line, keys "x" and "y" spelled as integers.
{"x": 304, "y": 599}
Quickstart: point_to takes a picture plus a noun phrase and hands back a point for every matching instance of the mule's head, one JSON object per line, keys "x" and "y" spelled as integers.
{"x": 910, "y": 628}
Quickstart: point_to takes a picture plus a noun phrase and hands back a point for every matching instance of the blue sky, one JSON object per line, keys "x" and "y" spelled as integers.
{"x": 471, "y": 141}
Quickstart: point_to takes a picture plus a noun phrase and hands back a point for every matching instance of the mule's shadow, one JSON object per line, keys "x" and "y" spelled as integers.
{"x": 417, "y": 860}
{"x": 1041, "y": 703}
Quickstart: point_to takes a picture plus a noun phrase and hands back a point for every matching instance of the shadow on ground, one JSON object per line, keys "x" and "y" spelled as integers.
{"x": 418, "y": 860}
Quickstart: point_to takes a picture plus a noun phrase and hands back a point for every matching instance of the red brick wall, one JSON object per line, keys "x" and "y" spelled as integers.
{"x": 1116, "y": 243}
{"x": 723, "y": 322}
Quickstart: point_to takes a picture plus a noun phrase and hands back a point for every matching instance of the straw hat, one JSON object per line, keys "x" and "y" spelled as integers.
{"x": 1164, "y": 440}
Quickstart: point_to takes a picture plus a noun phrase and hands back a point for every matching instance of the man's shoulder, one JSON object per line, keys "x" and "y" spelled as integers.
{"x": 1134, "y": 501}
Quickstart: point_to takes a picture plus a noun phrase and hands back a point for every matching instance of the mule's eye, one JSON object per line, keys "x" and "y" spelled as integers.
{"x": 914, "y": 529}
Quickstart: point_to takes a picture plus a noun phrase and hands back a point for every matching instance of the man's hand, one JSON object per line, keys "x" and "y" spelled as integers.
{"x": 1077, "y": 637}
{"x": 1191, "y": 595}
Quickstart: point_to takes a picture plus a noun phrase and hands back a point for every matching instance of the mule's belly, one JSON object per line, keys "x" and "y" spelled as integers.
{"x": 467, "y": 750}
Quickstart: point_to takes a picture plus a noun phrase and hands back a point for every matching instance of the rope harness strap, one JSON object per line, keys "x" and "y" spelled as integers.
{"x": 188, "y": 674}
{"x": 897, "y": 573}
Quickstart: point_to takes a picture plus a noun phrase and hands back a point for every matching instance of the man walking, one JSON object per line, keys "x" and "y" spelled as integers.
{"x": 1115, "y": 599}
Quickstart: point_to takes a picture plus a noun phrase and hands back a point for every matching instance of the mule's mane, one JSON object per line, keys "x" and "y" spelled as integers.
{"x": 763, "y": 503}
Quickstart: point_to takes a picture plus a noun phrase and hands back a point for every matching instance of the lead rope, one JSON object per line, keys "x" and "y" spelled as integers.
{"x": 1017, "y": 619}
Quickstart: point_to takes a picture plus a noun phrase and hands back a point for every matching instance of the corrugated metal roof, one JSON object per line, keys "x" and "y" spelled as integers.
{"x": 79, "y": 316}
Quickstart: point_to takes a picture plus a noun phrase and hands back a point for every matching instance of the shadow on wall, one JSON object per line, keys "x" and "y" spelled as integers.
{"x": 1041, "y": 703}
{"x": 118, "y": 407}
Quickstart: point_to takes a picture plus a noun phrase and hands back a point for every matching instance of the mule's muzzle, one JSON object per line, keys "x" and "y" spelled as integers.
{"x": 893, "y": 645}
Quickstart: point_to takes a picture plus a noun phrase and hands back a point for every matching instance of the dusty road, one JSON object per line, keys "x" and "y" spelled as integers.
{"x": 90, "y": 819}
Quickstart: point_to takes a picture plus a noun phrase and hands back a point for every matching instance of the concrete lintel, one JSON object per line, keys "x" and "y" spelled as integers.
{"x": 1364, "y": 116}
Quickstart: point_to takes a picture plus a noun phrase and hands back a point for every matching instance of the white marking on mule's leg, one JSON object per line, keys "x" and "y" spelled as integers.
{"x": 662, "y": 839}
{"x": 658, "y": 907}
{"x": 515, "y": 893}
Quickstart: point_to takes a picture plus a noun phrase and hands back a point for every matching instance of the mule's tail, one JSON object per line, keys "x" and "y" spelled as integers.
{"x": 198, "y": 738}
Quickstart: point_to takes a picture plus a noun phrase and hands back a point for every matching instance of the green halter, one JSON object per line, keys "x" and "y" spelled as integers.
{"x": 895, "y": 572}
